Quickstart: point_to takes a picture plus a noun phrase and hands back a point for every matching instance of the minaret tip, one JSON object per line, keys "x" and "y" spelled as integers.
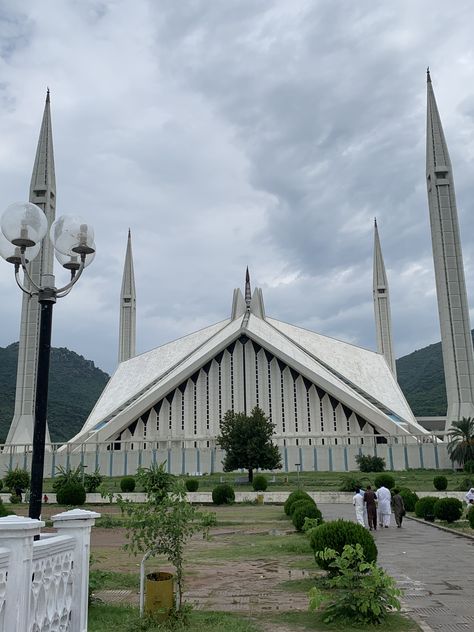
{"x": 428, "y": 76}
{"x": 129, "y": 234}
{"x": 375, "y": 222}
{"x": 47, "y": 95}
{"x": 248, "y": 291}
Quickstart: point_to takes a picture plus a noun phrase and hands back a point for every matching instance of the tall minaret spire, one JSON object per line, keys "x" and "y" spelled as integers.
{"x": 128, "y": 307}
{"x": 248, "y": 291}
{"x": 456, "y": 341}
{"x": 43, "y": 194}
{"x": 383, "y": 320}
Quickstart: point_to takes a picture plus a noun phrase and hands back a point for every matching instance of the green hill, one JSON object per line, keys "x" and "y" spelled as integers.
{"x": 421, "y": 378}
{"x": 75, "y": 385}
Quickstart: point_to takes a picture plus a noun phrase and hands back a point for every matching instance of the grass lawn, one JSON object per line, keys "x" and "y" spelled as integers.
{"x": 122, "y": 619}
{"x": 417, "y": 480}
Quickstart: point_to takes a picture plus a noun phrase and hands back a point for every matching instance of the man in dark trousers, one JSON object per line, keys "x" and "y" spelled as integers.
{"x": 369, "y": 498}
{"x": 398, "y": 507}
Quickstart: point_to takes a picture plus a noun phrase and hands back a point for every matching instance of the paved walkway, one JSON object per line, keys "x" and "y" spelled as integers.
{"x": 435, "y": 569}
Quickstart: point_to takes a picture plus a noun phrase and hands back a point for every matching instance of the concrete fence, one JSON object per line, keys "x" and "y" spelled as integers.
{"x": 334, "y": 453}
{"x": 44, "y": 583}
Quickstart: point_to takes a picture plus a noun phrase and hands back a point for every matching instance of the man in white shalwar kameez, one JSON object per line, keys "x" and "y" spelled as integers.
{"x": 358, "y": 502}
{"x": 385, "y": 510}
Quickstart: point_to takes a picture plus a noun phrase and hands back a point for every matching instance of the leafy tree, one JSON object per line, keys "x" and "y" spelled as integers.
{"x": 164, "y": 527}
{"x": 247, "y": 441}
{"x": 461, "y": 440}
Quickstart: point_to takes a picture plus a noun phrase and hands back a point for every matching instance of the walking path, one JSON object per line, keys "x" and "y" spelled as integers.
{"x": 435, "y": 569}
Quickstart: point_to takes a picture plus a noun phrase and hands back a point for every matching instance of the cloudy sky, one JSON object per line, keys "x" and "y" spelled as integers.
{"x": 227, "y": 133}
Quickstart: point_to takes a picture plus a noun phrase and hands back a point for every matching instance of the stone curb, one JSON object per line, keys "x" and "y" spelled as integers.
{"x": 440, "y": 527}
{"x": 423, "y": 625}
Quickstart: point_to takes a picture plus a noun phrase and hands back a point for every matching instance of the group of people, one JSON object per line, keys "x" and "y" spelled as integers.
{"x": 372, "y": 507}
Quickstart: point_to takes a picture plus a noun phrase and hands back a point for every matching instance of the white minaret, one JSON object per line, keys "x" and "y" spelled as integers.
{"x": 43, "y": 194}
{"x": 456, "y": 341}
{"x": 128, "y": 308}
{"x": 383, "y": 319}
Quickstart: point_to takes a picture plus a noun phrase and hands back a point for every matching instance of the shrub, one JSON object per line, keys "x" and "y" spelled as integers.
{"x": 192, "y": 484}
{"x": 4, "y": 511}
{"x": 92, "y": 482}
{"x": 469, "y": 466}
{"x": 1, "y": 485}
{"x": 155, "y": 480}
{"x": 301, "y": 503}
{"x": 66, "y": 476}
{"x": 424, "y": 508}
{"x": 349, "y": 483}
{"x": 361, "y": 593}
{"x": 298, "y": 494}
{"x": 440, "y": 483}
{"x": 223, "y": 494}
{"x": 470, "y": 516}
{"x": 303, "y": 511}
{"x": 449, "y": 509}
{"x": 336, "y": 534}
{"x": 384, "y": 480}
{"x": 15, "y": 499}
{"x": 17, "y": 479}
{"x": 464, "y": 484}
{"x": 369, "y": 463}
{"x": 71, "y": 494}
{"x": 127, "y": 484}
{"x": 409, "y": 498}
{"x": 260, "y": 483}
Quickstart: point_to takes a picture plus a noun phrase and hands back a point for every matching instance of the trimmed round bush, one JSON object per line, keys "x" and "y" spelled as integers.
{"x": 192, "y": 484}
{"x": 409, "y": 498}
{"x": 259, "y": 483}
{"x": 469, "y": 466}
{"x": 223, "y": 494}
{"x": 298, "y": 494}
{"x": 336, "y": 534}
{"x": 424, "y": 508}
{"x": 304, "y": 510}
{"x": 127, "y": 484}
{"x": 384, "y": 480}
{"x": 301, "y": 503}
{"x": 470, "y": 516}
{"x": 449, "y": 509}
{"x": 71, "y": 494}
{"x": 440, "y": 483}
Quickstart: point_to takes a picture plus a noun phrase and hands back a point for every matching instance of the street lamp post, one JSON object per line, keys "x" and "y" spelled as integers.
{"x": 23, "y": 228}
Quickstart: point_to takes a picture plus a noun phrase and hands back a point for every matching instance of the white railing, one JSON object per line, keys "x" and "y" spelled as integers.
{"x": 44, "y": 583}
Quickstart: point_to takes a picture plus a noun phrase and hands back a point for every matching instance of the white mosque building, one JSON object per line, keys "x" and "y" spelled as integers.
{"x": 320, "y": 393}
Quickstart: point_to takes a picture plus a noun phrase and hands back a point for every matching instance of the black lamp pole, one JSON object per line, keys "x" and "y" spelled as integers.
{"x": 46, "y": 300}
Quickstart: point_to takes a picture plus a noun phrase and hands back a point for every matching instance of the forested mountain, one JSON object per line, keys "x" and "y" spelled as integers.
{"x": 75, "y": 385}
{"x": 421, "y": 378}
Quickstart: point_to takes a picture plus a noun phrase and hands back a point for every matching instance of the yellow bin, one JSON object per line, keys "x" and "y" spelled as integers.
{"x": 159, "y": 593}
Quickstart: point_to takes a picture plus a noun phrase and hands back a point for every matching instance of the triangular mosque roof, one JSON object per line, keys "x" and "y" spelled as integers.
{"x": 358, "y": 377}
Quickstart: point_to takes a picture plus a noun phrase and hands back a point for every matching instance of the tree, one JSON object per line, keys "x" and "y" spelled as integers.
{"x": 163, "y": 523}
{"x": 247, "y": 441}
{"x": 461, "y": 440}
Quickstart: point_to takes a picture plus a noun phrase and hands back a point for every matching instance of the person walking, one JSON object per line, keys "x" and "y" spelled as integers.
{"x": 358, "y": 502}
{"x": 398, "y": 507}
{"x": 370, "y": 498}
{"x": 384, "y": 497}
